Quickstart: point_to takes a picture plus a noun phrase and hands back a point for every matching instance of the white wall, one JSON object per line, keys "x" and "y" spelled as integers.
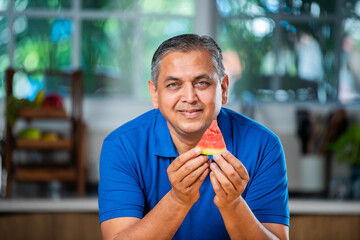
{"x": 102, "y": 115}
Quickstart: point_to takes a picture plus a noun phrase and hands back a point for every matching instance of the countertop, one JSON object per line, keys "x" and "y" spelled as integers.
{"x": 297, "y": 206}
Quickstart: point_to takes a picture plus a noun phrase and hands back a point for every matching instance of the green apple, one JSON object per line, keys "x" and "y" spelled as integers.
{"x": 30, "y": 133}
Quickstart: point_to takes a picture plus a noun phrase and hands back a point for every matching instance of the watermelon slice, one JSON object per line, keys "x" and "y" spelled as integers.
{"x": 212, "y": 141}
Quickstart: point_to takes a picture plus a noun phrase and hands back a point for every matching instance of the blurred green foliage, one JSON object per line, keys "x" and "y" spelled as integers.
{"x": 347, "y": 146}
{"x": 109, "y": 45}
{"x": 236, "y": 35}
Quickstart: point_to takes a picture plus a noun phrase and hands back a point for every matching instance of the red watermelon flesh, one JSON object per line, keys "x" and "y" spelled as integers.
{"x": 212, "y": 141}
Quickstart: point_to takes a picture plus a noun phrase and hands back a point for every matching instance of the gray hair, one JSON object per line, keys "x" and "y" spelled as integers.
{"x": 187, "y": 43}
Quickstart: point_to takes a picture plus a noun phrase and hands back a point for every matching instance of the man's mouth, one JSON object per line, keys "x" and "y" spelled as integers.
{"x": 190, "y": 113}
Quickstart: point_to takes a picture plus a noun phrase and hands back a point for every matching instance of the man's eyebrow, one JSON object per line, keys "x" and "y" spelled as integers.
{"x": 201, "y": 76}
{"x": 206, "y": 76}
{"x": 171, "y": 78}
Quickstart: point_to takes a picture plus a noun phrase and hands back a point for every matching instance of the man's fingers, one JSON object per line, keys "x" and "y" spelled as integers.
{"x": 228, "y": 170}
{"x": 219, "y": 191}
{"x": 225, "y": 183}
{"x": 190, "y": 169}
{"x": 185, "y": 165}
{"x": 201, "y": 179}
{"x": 194, "y": 175}
{"x": 236, "y": 164}
{"x": 183, "y": 158}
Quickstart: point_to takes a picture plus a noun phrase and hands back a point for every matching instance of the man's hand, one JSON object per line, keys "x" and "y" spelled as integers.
{"x": 229, "y": 181}
{"x": 186, "y": 174}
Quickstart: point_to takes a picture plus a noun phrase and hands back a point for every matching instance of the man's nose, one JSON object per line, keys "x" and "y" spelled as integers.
{"x": 189, "y": 94}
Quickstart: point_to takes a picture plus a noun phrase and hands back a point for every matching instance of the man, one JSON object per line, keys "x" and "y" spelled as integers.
{"x": 154, "y": 184}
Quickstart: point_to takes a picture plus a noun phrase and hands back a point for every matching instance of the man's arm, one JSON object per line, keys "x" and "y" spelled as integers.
{"x": 168, "y": 212}
{"x": 242, "y": 224}
{"x": 229, "y": 182}
{"x": 186, "y": 174}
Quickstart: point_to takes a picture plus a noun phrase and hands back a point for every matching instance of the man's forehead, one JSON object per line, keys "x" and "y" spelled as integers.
{"x": 202, "y": 52}
{"x": 178, "y": 59}
{"x": 173, "y": 65}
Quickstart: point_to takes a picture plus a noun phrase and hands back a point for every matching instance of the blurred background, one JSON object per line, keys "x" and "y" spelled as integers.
{"x": 82, "y": 67}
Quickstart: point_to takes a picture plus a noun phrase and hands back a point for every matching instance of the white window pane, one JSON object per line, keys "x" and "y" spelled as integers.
{"x": 107, "y": 56}
{"x": 245, "y": 43}
{"x": 43, "y": 43}
{"x": 122, "y": 5}
{"x": 352, "y": 7}
{"x": 156, "y": 31}
{"x": 349, "y": 83}
{"x": 4, "y": 5}
{"x": 21, "y": 5}
{"x": 313, "y": 8}
{"x": 183, "y": 7}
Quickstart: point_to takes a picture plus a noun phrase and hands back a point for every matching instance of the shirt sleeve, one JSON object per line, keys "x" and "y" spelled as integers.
{"x": 120, "y": 194}
{"x": 267, "y": 194}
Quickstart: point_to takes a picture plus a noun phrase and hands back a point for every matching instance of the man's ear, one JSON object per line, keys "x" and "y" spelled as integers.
{"x": 153, "y": 93}
{"x": 225, "y": 89}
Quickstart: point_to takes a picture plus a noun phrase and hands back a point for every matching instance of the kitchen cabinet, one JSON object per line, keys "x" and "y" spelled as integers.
{"x": 71, "y": 170}
{"x": 68, "y": 219}
{"x": 324, "y": 226}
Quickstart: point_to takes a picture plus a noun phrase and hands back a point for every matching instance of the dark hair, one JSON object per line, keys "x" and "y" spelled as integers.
{"x": 187, "y": 43}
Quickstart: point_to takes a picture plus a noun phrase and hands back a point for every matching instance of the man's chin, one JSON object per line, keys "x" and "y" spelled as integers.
{"x": 192, "y": 127}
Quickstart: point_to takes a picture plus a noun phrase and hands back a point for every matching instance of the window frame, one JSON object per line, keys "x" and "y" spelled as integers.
{"x": 77, "y": 15}
{"x": 337, "y": 18}
{"x": 205, "y": 22}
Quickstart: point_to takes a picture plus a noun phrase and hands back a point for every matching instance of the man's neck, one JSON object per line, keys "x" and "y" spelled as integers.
{"x": 184, "y": 143}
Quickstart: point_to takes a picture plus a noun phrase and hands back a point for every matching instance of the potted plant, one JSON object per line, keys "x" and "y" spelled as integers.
{"x": 347, "y": 149}
{"x": 347, "y": 146}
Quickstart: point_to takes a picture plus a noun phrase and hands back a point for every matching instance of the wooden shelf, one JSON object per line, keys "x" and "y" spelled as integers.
{"x": 45, "y": 174}
{"x": 41, "y": 113}
{"x": 43, "y": 144}
{"x": 73, "y": 144}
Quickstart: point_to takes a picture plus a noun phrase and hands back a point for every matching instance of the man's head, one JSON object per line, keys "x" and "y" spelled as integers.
{"x": 187, "y": 43}
{"x": 190, "y": 84}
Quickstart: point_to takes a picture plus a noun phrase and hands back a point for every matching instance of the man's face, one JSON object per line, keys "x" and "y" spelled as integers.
{"x": 189, "y": 92}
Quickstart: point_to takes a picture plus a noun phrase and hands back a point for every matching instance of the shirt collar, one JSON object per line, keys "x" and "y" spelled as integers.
{"x": 164, "y": 145}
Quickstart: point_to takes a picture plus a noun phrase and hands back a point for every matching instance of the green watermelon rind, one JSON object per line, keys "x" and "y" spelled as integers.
{"x": 211, "y": 151}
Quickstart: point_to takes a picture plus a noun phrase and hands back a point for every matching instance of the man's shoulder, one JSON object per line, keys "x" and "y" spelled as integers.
{"x": 136, "y": 125}
{"x": 237, "y": 120}
{"x": 240, "y": 119}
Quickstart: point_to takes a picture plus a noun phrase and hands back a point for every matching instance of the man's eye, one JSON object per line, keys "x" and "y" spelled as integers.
{"x": 202, "y": 83}
{"x": 172, "y": 85}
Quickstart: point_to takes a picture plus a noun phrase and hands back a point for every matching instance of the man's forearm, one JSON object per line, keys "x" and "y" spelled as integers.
{"x": 186, "y": 175}
{"x": 242, "y": 224}
{"x": 161, "y": 222}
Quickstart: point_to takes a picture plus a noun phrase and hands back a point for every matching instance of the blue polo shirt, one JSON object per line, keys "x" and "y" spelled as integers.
{"x": 134, "y": 159}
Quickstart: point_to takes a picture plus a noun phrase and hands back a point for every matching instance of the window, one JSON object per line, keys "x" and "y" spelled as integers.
{"x": 111, "y": 40}
{"x": 274, "y": 50}
{"x": 291, "y": 50}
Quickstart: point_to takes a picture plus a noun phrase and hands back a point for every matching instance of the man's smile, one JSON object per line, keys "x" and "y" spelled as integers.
{"x": 190, "y": 113}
